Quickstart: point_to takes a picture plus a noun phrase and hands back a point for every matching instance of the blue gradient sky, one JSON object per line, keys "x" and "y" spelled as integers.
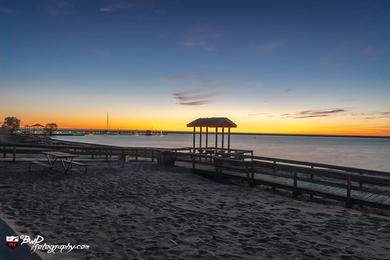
{"x": 159, "y": 64}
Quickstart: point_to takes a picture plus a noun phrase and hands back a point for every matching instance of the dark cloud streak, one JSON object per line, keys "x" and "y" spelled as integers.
{"x": 195, "y": 103}
{"x": 314, "y": 113}
{"x": 370, "y": 116}
{"x": 194, "y": 97}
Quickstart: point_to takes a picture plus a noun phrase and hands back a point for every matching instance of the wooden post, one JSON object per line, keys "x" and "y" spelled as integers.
{"x": 229, "y": 139}
{"x": 123, "y": 156}
{"x": 207, "y": 136}
{"x": 223, "y": 137}
{"x": 152, "y": 155}
{"x": 14, "y": 154}
{"x": 167, "y": 157}
{"x": 216, "y": 138}
{"x": 136, "y": 155}
{"x": 4, "y": 153}
{"x": 311, "y": 178}
{"x": 193, "y": 161}
{"x": 348, "y": 200}
{"x": 200, "y": 137}
{"x": 250, "y": 175}
{"x": 274, "y": 169}
{"x": 193, "y": 140}
{"x": 360, "y": 183}
{"x": 295, "y": 192}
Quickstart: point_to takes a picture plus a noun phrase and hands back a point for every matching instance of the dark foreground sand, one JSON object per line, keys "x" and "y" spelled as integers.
{"x": 148, "y": 212}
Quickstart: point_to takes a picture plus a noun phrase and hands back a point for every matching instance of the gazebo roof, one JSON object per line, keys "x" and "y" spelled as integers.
{"x": 212, "y": 122}
{"x": 37, "y": 125}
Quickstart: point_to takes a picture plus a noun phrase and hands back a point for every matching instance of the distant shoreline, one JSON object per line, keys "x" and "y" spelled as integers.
{"x": 240, "y": 133}
{"x": 274, "y": 134}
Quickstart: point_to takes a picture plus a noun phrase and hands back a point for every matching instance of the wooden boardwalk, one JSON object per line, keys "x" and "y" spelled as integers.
{"x": 338, "y": 193}
{"x": 353, "y": 186}
{"x": 350, "y": 185}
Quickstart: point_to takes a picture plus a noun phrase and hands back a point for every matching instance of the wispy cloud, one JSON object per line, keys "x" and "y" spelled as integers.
{"x": 195, "y": 97}
{"x": 103, "y": 53}
{"x": 268, "y": 47}
{"x": 184, "y": 76}
{"x": 373, "y": 53}
{"x": 372, "y": 115}
{"x": 59, "y": 7}
{"x": 5, "y": 10}
{"x": 202, "y": 38}
{"x": 314, "y": 113}
{"x": 257, "y": 114}
{"x": 122, "y": 5}
{"x": 115, "y": 6}
{"x": 194, "y": 103}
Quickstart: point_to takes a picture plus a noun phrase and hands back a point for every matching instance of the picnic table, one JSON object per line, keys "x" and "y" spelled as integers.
{"x": 64, "y": 160}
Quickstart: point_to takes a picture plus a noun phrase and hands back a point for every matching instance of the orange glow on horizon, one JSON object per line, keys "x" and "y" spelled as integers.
{"x": 313, "y": 127}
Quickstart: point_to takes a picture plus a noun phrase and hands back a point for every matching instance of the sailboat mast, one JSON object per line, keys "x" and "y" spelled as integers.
{"x": 107, "y": 122}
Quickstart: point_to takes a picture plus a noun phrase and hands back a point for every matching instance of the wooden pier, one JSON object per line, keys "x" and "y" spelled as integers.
{"x": 353, "y": 186}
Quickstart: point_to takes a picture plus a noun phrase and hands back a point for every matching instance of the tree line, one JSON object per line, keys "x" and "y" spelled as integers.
{"x": 12, "y": 125}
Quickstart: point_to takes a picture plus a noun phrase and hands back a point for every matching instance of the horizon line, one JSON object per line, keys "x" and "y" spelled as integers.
{"x": 235, "y": 133}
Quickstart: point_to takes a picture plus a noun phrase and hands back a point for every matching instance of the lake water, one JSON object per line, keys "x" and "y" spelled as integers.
{"x": 369, "y": 153}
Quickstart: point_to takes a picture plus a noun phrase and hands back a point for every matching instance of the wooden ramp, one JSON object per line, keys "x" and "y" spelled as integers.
{"x": 352, "y": 186}
{"x": 357, "y": 197}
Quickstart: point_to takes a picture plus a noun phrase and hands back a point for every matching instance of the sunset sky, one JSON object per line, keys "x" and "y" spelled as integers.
{"x": 310, "y": 67}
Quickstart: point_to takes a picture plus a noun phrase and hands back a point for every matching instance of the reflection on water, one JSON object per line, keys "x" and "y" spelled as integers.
{"x": 370, "y": 153}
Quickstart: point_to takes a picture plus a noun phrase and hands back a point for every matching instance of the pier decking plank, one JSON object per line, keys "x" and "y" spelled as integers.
{"x": 324, "y": 189}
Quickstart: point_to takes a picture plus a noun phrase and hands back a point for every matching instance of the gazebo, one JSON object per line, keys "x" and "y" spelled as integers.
{"x": 213, "y": 122}
{"x": 37, "y": 129}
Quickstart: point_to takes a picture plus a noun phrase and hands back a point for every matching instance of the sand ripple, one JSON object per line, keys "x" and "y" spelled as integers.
{"x": 148, "y": 212}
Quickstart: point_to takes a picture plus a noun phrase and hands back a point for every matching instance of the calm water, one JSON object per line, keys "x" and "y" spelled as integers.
{"x": 369, "y": 153}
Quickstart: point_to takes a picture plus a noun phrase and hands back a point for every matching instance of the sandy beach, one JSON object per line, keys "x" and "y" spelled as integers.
{"x": 147, "y": 211}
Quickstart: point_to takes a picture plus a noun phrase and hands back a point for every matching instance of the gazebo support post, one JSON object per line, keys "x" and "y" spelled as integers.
{"x": 229, "y": 139}
{"x": 207, "y": 136}
{"x": 223, "y": 137}
{"x": 200, "y": 137}
{"x": 216, "y": 138}
{"x": 193, "y": 140}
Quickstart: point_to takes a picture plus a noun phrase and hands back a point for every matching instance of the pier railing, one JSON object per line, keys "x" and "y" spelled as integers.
{"x": 16, "y": 151}
{"x": 348, "y": 184}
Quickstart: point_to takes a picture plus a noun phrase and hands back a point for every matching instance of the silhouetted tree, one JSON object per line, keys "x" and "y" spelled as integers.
{"x": 11, "y": 123}
{"x": 50, "y": 128}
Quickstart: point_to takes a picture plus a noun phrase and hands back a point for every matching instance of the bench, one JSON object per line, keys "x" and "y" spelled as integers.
{"x": 40, "y": 163}
{"x": 80, "y": 164}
